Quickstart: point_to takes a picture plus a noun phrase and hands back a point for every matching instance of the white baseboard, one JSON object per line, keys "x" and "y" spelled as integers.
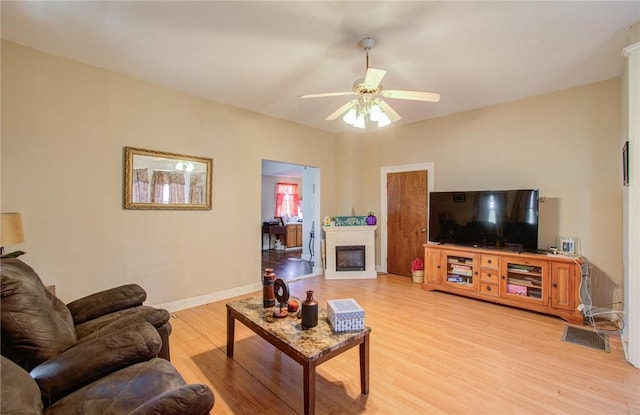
{"x": 208, "y": 298}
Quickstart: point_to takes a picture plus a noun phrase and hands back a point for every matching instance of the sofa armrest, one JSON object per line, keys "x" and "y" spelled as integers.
{"x": 107, "y": 301}
{"x": 89, "y": 361}
{"x": 193, "y": 399}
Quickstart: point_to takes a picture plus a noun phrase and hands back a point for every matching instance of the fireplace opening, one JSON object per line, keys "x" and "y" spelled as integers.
{"x": 350, "y": 258}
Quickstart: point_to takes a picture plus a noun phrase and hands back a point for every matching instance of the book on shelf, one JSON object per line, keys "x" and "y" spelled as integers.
{"x": 534, "y": 293}
{"x": 461, "y": 270}
{"x": 529, "y": 281}
{"x": 517, "y": 289}
{"x": 455, "y": 278}
{"x": 522, "y": 268}
{"x": 520, "y": 281}
{"x": 534, "y": 280}
{"x": 456, "y": 260}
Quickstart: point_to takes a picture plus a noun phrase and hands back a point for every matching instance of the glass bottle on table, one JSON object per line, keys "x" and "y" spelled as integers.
{"x": 309, "y": 311}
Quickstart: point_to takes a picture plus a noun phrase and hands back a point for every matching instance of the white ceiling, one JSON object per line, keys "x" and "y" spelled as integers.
{"x": 262, "y": 56}
{"x": 279, "y": 169}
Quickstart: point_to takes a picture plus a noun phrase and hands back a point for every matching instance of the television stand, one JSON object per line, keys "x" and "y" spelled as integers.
{"x": 531, "y": 281}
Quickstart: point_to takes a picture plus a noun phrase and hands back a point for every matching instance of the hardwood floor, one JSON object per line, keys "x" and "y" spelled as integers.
{"x": 287, "y": 265}
{"x": 431, "y": 353}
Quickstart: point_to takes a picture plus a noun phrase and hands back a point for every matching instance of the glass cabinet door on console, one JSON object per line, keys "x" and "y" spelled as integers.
{"x": 524, "y": 280}
{"x": 461, "y": 270}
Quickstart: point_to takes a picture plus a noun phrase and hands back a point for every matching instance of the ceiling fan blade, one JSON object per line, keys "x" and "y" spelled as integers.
{"x": 413, "y": 95}
{"x": 373, "y": 77}
{"x": 329, "y": 94}
{"x": 393, "y": 116}
{"x": 341, "y": 110}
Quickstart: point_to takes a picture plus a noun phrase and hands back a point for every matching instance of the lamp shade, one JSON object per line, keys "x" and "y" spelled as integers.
{"x": 350, "y": 116}
{"x": 11, "y": 229}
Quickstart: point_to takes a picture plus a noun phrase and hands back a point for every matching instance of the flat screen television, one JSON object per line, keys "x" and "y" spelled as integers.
{"x": 506, "y": 219}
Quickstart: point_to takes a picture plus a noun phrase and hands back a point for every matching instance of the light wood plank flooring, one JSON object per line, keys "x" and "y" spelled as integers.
{"x": 431, "y": 353}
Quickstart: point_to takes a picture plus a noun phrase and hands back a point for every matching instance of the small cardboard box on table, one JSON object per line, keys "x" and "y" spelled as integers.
{"x": 345, "y": 315}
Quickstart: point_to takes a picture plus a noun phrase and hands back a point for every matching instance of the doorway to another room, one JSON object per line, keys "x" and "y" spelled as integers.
{"x": 290, "y": 220}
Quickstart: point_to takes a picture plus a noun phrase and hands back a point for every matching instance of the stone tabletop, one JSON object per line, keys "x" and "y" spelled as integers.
{"x": 311, "y": 343}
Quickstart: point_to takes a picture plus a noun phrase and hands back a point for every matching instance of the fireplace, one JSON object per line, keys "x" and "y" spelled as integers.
{"x": 350, "y": 258}
{"x": 350, "y": 252}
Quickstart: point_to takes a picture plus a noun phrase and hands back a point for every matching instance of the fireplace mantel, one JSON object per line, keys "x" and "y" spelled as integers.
{"x": 350, "y": 236}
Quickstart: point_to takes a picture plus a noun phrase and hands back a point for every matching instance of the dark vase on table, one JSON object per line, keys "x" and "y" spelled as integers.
{"x": 309, "y": 311}
{"x": 371, "y": 220}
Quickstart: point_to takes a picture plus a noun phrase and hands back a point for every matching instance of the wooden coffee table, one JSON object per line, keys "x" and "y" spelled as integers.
{"x": 309, "y": 347}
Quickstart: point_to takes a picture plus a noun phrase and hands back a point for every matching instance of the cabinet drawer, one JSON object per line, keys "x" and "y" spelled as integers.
{"x": 489, "y": 289}
{"x": 489, "y": 261}
{"x": 489, "y": 276}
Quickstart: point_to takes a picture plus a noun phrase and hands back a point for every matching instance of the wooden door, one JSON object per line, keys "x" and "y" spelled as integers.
{"x": 406, "y": 219}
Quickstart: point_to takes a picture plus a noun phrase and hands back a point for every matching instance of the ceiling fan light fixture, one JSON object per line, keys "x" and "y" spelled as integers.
{"x": 350, "y": 116}
{"x": 383, "y": 120}
{"x": 376, "y": 113}
{"x": 369, "y": 107}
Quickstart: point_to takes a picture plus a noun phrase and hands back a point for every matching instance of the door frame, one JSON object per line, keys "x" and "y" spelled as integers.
{"x": 311, "y": 178}
{"x": 384, "y": 171}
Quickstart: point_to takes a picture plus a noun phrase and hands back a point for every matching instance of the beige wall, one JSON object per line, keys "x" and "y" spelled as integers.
{"x": 64, "y": 126}
{"x": 567, "y": 144}
{"x": 634, "y": 33}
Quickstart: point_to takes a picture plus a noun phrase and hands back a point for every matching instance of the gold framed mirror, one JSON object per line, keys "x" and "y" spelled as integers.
{"x": 160, "y": 180}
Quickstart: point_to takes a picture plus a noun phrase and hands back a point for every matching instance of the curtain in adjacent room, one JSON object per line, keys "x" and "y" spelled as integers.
{"x": 140, "y": 193}
{"x": 197, "y": 189}
{"x": 287, "y": 200}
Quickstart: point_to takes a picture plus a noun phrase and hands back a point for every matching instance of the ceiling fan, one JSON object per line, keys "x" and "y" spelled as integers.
{"x": 369, "y": 105}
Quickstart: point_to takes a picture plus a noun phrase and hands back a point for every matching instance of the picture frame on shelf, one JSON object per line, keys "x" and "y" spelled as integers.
{"x": 568, "y": 246}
